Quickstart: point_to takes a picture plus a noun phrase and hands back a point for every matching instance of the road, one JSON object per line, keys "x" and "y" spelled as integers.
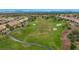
{"x": 70, "y": 18}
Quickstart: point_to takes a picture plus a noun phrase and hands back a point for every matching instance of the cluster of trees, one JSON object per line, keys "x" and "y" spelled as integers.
{"x": 32, "y": 18}
{"x": 73, "y": 36}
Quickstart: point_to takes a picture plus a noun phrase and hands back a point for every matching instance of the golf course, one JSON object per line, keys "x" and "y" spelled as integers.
{"x": 40, "y": 34}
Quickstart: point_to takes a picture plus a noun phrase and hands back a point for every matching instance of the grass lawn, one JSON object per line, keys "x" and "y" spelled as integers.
{"x": 41, "y": 31}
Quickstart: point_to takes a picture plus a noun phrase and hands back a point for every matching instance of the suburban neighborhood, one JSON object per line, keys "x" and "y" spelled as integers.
{"x": 6, "y": 24}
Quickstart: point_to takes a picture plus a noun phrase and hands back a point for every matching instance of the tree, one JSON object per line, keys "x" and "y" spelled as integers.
{"x": 73, "y": 46}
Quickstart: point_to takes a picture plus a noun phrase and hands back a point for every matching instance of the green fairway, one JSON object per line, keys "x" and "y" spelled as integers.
{"x": 46, "y": 32}
{"x": 7, "y": 44}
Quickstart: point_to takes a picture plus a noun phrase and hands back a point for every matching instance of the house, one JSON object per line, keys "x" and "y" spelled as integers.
{"x": 13, "y": 24}
{"x": 3, "y": 29}
{"x": 16, "y": 23}
{"x": 23, "y": 21}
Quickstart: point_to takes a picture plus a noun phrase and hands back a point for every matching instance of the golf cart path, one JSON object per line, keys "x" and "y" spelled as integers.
{"x": 65, "y": 41}
{"x": 27, "y": 43}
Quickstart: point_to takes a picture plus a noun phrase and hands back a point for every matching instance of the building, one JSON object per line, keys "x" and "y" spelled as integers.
{"x": 16, "y": 23}
{"x": 3, "y": 29}
{"x": 5, "y": 26}
{"x": 13, "y": 24}
{"x": 23, "y": 21}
